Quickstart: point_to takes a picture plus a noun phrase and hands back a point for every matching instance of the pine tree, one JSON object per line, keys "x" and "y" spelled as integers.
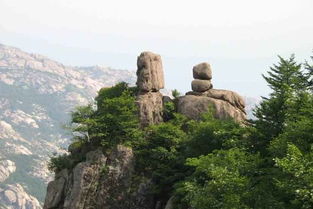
{"x": 286, "y": 81}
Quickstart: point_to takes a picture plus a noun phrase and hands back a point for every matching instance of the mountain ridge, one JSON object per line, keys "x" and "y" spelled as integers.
{"x": 37, "y": 95}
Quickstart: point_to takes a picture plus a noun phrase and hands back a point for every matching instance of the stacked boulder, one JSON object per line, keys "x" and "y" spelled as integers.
{"x": 202, "y": 75}
{"x": 226, "y": 104}
{"x": 150, "y": 79}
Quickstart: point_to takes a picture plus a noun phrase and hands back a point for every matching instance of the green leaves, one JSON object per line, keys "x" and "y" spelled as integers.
{"x": 112, "y": 120}
{"x": 287, "y": 80}
{"x": 160, "y": 154}
{"x": 297, "y": 178}
{"x": 220, "y": 180}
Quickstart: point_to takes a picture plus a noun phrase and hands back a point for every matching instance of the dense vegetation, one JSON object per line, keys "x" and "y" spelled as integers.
{"x": 213, "y": 163}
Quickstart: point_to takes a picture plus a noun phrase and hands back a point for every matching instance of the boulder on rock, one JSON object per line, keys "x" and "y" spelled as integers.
{"x": 201, "y": 85}
{"x": 202, "y": 71}
{"x": 193, "y": 106}
{"x": 229, "y": 96}
{"x": 150, "y": 72}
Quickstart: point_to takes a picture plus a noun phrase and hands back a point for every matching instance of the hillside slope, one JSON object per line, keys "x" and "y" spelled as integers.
{"x": 36, "y": 97}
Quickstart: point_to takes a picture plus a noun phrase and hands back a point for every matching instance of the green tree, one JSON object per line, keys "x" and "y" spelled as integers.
{"x": 110, "y": 121}
{"x": 309, "y": 73}
{"x": 222, "y": 179}
{"x": 286, "y": 80}
{"x": 297, "y": 178}
{"x": 160, "y": 155}
{"x": 211, "y": 134}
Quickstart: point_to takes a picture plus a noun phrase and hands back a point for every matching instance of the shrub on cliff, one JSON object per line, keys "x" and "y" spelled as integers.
{"x": 110, "y": 121}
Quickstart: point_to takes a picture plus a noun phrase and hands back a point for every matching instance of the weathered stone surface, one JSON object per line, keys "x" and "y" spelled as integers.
{"x": 202, "y": 71}
{"x": 200, "y": 85}
{"x": 150, "y": 75}
{"x": 150, "y": 108}
{"x": 229, "y": 96}
{"x": 196, "y": 93}
{"x": 193, "y": 106}
{"x": 55, "y": 190}
{"x": 103, "y": 182}
{"x": 86, "y": 176}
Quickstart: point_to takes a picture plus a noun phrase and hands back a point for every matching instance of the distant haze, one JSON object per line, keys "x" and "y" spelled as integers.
{"x": 241, "y": 39}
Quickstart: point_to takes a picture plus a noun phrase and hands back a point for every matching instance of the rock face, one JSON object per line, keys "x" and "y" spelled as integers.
{"x": 150, "y": 79}
{"x": 100, "y": 182}
{"x": 150, "y": 72}
{"x": 226, "y": 104}
{"x": 151, "y": 108}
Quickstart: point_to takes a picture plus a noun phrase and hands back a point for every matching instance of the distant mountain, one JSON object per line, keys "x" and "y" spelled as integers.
{"x": 36, "y": 96}
{"x": 251, "y": 103}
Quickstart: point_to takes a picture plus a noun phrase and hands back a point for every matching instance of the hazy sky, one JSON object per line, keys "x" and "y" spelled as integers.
{"x": 240, "y": 38}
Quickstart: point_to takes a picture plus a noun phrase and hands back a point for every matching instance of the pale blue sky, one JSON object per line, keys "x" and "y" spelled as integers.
{"x": 240, "y": 39}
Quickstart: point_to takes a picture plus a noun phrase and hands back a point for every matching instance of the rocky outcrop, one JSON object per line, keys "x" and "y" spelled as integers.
{"x": 100, "y": 182}
{"x": 225, "y": 104}
{"x": 193, "y": 106}
{"x": 14, "y": 196}
{"x": 150, "y": 80}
